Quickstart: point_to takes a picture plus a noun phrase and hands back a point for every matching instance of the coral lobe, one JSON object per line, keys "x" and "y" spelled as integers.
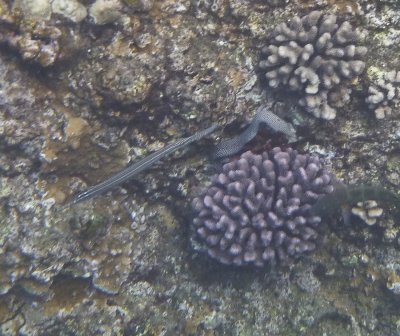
{"x": 257, "y": 210}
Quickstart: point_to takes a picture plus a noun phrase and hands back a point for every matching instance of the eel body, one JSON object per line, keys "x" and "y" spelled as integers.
{"x": 262, "y": 116}
{"x": 141, "y": 165}
{"x": 225, "y": 148}
{"x": 344, "y": 195}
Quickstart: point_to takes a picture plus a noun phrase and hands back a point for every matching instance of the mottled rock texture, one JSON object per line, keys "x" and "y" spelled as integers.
{"x": 277, "y": 2}
{"x": 40, "y": 44}
{"x": 35, "y": 246}
{"x": 122, "y": 264}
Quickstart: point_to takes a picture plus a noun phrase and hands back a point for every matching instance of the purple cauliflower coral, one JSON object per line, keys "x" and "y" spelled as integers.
{"x": 257, "y": 210}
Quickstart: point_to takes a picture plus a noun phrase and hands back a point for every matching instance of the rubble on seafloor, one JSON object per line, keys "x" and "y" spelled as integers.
{"x": 88, "y": 87}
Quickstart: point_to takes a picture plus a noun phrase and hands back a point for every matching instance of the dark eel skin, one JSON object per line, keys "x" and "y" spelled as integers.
{"x": 262, "y": 116}
{"x": 344, "y": 196}
{"x": 225, "y": 148}
{"x": 327, "y": 205}
{"x": 141, "y": 165}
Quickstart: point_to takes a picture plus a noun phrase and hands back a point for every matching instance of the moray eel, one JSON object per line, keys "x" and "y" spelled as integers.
{"x": 344, "y": 196}
{"x": 225, "y": 148}
{"x": 262, "y": 116}
{"x": 141, "y": 165}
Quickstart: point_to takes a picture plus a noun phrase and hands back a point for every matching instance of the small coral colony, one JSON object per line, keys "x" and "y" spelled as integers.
{"x": 266, "y": 209}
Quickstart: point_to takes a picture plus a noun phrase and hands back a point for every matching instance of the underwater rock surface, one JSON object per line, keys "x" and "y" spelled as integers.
{"x": 88, "y": 87}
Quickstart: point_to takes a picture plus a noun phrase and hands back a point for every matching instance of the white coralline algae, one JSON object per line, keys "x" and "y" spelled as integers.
{"x": 35, "y": 9}
{"x": 43, "y": 9}
{"x": 105, "y": 11}
{"x": 70, "y": 9}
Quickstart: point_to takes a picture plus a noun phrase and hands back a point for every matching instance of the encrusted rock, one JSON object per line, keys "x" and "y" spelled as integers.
{"x": 277, "y": 3}
{"x": 129, "y": 80}
{"x": 314, "y": 56}
{"x": 71, "y": 9}
{"x": 35, "y": 9}
{"x": 38, "y": 43}
{"x": 112, "y": 260}
{"x": 140, "y": 5}
{"x": 38, "y": 240}
{"x": 203, "y": 7}
{"x": 27, "y": 248}
{"x": 393, "y": 282}
{"x": 105, "y": 11}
